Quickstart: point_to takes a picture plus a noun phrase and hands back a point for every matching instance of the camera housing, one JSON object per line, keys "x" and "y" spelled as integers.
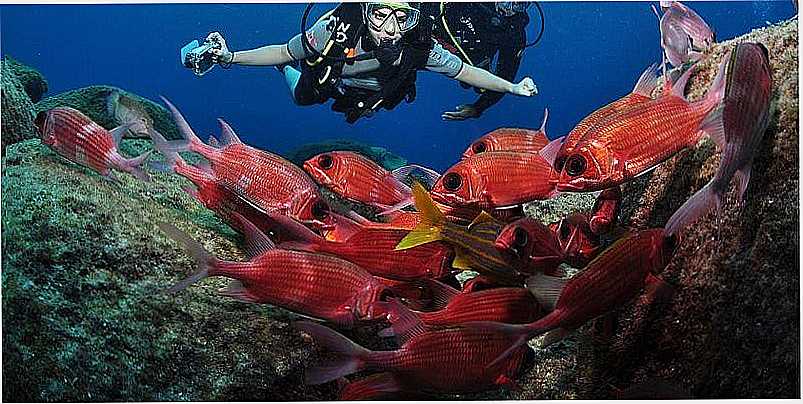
{"x": 197, "y": 57}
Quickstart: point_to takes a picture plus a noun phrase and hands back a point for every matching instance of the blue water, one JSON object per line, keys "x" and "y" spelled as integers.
{"x": 591, "y": 53}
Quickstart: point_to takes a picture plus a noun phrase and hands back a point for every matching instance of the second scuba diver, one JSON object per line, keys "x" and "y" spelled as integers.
{"x": 365, "y": 56}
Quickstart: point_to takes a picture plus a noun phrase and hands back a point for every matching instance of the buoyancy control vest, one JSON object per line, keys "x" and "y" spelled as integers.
{"x": 320, "y": 76}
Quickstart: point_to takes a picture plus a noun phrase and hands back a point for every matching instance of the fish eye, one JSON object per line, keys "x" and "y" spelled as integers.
{"x": 479, "y": 147}
{"x": 325, "y": 161}
{"x": 452, "y": 181}
{"x": 575, "y": 165}
{"x": 520, "y": 237}
{"x": 320, "y": 210}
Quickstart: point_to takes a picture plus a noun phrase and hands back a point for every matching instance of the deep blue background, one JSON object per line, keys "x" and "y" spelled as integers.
{"x": 591, "y": 53}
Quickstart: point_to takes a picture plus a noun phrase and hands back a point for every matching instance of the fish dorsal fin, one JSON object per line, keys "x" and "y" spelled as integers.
{"x": 483, "y": 217}
{"x": 647, "y": 81}
{"x": 120, "y": 131}
{"x": 551, "y": 150}
{"x": 461, "y": 260}
{"x": 432, "y": 219}
{"x": 213, "y": 141}
{"x": 256, "y": 242}
{"x": 546, "y": 289}
{"x": 227, "y": 135}
{"x": 542, "y": 129}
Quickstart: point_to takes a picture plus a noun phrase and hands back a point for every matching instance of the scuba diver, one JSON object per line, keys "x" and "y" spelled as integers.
{"x": 478, "y": 32}
{"x": 365, "y": 57}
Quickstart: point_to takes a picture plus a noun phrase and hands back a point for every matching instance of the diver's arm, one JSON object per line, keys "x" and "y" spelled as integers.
{"x": 269, "y": 55}
{"x": 483, "y": 79}
{"x": 506, "y": 67}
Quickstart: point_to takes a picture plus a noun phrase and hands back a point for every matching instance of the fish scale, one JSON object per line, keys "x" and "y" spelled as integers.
{"x": 505, "y": 305}
{"x": 510, "y": 139}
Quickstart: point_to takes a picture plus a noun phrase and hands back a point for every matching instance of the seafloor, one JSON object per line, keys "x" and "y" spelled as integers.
{"x": 84, "y": 268}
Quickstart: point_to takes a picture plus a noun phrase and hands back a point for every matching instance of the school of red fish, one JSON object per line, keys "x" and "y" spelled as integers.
{"x": 344, "y": 270}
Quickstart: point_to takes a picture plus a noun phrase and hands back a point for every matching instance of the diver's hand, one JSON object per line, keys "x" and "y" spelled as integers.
{"x": 525, "y": 88}
{"x": 462, "y": 112}
{"x": 221, "y": 53}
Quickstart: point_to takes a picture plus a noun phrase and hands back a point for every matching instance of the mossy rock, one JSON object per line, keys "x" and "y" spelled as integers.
{"x": 92, "y": 102}
{"x": 17, "y": 111}
{"x": 379, "y": 155}
{"x": 84, "y": 313}
{"x": 731, "y": 328}
{"x": 32, "y": 81}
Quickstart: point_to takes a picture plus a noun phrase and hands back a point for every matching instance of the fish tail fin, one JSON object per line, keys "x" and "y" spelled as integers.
{"x": 698, "y": 205}
{"x": 713, "y": 124}
{"x": 370, "y": 387}
{"x": 206, "y": 262}
{"x": 191, "y": 139}
{"x": 432, "y": 219}
{"x": 429, "y": 175}
{"x": 647, "y": 81}
{"x": 351, "y": 357}
{"x": 134, "y": 166}
{"x": 167, "y": 148}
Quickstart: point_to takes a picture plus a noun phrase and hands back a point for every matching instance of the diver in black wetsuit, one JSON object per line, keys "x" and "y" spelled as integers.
{"x": 478, "y": 33}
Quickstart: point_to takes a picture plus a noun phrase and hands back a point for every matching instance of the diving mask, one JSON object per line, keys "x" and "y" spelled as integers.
{"x": 377, "y": 15}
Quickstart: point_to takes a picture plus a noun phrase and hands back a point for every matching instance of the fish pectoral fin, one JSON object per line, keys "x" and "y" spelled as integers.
{"x": 546, "y": 289}
{"x": 236, "y": 290}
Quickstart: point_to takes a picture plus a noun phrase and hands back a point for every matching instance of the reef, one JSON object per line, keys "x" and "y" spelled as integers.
{"x": 379, "y": 155}
{"x": 92, "y": 102}
{"x": 32, "y": 81}
{"x": 85, "y": 269}
{"x": 18, "y": 110}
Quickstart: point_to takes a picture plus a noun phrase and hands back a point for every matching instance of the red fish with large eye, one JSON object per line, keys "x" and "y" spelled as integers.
{"x": 315, "y": 285}
{"x": 495, "y": 180}
{"x": 77, "y": 138}
{"x": 579, "y": 245}
{"x": 532, "y": 240}
{"x": 511, "y": 139}
{"x": 358, "y": 178}
{"x": 636, "y": 140}
{"x": 684, "y": 34}
{"x": 641, "y": 93}
{"x": 605, "y": 211}
{"x": 266, "y": 180}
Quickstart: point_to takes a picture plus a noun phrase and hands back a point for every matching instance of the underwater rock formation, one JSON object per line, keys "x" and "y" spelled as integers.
{"x": 84, "y": 313}
{"x": 92, "y": 102}
{"x": 17, "y": 108}
{"x": 32, "y": 81}
{"x": 731, "y": 329}
{"x": 379, "y": 155}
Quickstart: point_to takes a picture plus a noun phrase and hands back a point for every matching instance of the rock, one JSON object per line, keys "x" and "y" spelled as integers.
{"x": 555, "y": 209}
{"x": 731, "y": 329}
{"x": 32, "y": 81}
{"x": 92, "y": 102}
{"x": 84, "y": 313}
{"x": 17, "y": 110}
{"x": 378, "y": 154}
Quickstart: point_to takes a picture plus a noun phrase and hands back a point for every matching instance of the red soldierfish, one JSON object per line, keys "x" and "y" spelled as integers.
{"x": 609, "y": 281}
{"x": 636, "y": 140}
{"x": 578, "y": 243}
{"x": 684, "y": 34}
{"x": 532, "y": 240}
{"x": 373, "y": 249}
{"x": 642, "y": 92}
{"x": 511, "y": 139}
{"x": 77, "y": 138}
{"x": 746, "y": 115}
{"x": 358, "y": 178}
{"x": 315, "y": 285}
{"x": 605, "y": 211}
{"x": 439, "y": 361}
{"x": 266, "y": 180}
{"x": 495, "y": 180}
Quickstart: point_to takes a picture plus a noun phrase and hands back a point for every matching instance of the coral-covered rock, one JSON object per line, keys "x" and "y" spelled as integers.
{"x": 17, "y": 109}
{"x": 379, "y": 155}
{"x": 85, "y": 316}
{"x": 92, "y": 102}
{"x": 731, "y": 329}
{"x": 32, "y": 81}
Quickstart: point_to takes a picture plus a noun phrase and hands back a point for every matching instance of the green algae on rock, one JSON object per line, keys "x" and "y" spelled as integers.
{"x": 84, "y": 313}
{"x": 92, "y": 102}
{"x": 32, "y": 81}
{"x": 17, "y": 108}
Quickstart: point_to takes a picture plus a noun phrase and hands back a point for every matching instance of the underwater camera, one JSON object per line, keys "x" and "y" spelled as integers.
{"x": 198, "y": 57}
